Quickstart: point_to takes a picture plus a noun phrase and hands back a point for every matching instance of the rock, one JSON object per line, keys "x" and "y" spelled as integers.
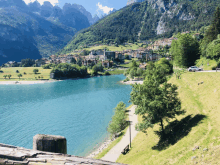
{"x": 194, "y": 157}
{"x": 195, "y": 148}
{"x": 205, "y": 149}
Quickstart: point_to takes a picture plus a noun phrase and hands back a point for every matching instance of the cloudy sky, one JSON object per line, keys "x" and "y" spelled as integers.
{"x": 93, "y": 6}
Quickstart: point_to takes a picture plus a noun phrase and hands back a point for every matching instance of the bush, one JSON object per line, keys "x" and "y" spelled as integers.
{"x": 106, "y": 73}
{"x": 47, "y": 66}
{"x": 17, "y": 71}
{"x": 214, "y": 67}
{"x": 69, "y": 71}
{"x": 127, "y": 79}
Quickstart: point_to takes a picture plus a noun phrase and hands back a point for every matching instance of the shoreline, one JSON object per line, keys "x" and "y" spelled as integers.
{"x": 101, "y": 148}
{"x": 27, "y": 82}
{"x": 132, "y": 82}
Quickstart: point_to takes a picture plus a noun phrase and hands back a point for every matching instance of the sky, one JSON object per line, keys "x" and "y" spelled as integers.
{"x": 98, "y": 7}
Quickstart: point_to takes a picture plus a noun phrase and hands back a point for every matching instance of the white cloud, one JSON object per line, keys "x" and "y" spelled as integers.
{"x": 105, "y": 9}
{"x": 53, "y": 2}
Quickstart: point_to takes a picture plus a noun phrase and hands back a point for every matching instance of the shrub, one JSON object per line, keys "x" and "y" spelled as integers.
{"x": 127, "y": 79}
{"x": 106, "y": 73}
{"x": 214, "y": 67}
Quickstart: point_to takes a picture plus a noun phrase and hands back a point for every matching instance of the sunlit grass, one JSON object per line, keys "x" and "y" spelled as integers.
{"x": 29, "y": 76}
{"x": 201, "y": 128}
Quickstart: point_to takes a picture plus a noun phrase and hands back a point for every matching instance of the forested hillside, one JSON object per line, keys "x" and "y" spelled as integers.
{"x": 147, "y": 20}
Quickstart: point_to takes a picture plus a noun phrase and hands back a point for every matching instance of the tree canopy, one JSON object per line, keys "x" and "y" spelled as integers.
{"x": 185, "y": 50}
{"x": 156, "y": 99}
{"x": 211, "y": 33}
{"x": 118, "y": 122}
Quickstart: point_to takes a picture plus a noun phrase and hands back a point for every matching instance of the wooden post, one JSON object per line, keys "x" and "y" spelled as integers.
{"x": 50, "y": 143}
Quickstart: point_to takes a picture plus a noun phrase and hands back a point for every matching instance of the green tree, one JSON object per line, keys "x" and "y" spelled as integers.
{"x": 134, "y": 64}
{"x": 132, "y": 72}
{"x": 118, "y": 122}
{"x": 5, "y": 76}
{"x": 165, "y": 65}
{"x": 19, "y": 75}
{"x": 139, "y": 72}
{"x": 9, "y": 76}
{"x": 35, "y": 71}
{"x": 212, "y": 32}
{"x": 213, "y": 49}
{"x": 156, "y": 100}
{"x": 185, "y": 50}
{"x": 73, "y": 61}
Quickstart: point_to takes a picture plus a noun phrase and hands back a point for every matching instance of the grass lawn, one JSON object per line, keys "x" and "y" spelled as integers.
{"x": 198, "y": 127}
{"x": 114, "y": 48}
{"x": 105, "y": 151}
{"x": 29, "y": 76}
{"x": 117, "y": 71}
{"x": 206, "y": 64}
{"x": 128, "y": 63}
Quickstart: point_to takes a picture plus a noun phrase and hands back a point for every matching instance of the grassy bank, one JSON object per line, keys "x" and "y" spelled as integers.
{"x": 115, "y": 48}
{"x": 105, "y": 151}
{"x": 198, "y": 127}
{"x": 29, "y": 76}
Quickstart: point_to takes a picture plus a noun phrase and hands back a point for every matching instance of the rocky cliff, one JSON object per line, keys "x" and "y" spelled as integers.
{"x": 150, "y": 19}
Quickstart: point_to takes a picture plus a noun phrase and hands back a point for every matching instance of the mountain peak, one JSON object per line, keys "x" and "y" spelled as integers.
{"x": 134, "y": 1}
{"x": 47, "y": 4}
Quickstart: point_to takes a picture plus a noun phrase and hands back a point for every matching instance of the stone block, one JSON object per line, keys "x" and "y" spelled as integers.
{"x": 50, "y": 143}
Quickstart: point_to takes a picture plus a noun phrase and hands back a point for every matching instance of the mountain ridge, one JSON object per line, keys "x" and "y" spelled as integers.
{"x": 148, "y": 20}
{"x": 36, "y": 31}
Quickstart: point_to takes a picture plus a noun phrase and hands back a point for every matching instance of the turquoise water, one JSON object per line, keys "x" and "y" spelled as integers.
{"x": 79, "y": 109}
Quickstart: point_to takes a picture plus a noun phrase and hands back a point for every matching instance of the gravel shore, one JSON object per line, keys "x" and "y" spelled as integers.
{"x": 101, "y": 148}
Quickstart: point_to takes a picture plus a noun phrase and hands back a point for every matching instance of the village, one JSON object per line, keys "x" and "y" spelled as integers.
{"x": 108, "y": 59}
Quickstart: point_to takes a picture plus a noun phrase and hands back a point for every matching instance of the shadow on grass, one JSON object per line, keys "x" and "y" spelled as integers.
{"x": 176, "y": 130}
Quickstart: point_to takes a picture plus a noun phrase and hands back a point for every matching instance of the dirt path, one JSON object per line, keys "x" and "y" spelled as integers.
{"x": 115, "y": 152}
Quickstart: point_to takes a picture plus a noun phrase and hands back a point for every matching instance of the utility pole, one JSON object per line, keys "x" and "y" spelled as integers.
{"x": 130, "y": 131}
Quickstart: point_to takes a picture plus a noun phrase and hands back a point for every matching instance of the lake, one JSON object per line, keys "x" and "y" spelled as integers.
{"x": 79, "y": 110}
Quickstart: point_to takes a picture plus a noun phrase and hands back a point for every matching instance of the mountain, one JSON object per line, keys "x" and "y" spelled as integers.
{"x": 134, "y": 1}
{"x": 35, "y": 31}
{"x": 150, "y": 19}
{"x": 91, "y": 19}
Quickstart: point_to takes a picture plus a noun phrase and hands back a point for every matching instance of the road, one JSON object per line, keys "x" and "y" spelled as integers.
{"x": 115, "y": 152}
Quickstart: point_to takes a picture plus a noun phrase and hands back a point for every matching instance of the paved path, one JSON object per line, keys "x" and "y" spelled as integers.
{"x": 115, "y": 152}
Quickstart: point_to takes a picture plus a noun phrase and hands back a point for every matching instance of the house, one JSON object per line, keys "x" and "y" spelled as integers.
{"x": 40, "y": 62}
{"x": 143, "y": 66}
{"x": 120, "y": 56}
{"x": 109, "y": 55}
{"x": 107, "y": 64}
